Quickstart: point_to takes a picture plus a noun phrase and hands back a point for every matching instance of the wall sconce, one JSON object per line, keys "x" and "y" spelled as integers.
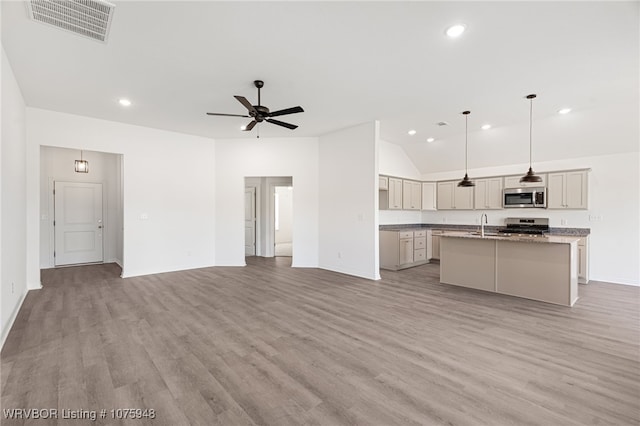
{"x": 82, "y": 166}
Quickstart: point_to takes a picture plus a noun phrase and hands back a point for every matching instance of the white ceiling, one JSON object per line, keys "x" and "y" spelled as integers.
{"x": 344, "y": 62}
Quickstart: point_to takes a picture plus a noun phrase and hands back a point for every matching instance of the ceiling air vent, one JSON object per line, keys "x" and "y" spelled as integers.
{"x": 442, "y": 123}
{"x": 88, "y": 18}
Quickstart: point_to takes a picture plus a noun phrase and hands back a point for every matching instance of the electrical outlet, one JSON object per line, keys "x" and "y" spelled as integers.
{"x": 12, "y": 288}
{"x": 563, "y": 221}
{"x": 444, "y": 220}
{"x": 339, "y": 255}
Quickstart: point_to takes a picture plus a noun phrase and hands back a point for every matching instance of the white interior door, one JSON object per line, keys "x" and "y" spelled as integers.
{"x": 250, "y": 221}
{"x": 78, "y": 223}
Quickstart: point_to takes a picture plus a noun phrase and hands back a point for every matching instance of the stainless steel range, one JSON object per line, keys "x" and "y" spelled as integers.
{"x": 535, "y": 226}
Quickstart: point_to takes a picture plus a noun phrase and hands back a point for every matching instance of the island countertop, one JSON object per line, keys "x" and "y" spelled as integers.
{"x": 545, "y": 239}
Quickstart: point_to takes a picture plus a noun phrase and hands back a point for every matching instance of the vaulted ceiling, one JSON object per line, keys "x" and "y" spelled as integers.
{"x": 344, "y": 62}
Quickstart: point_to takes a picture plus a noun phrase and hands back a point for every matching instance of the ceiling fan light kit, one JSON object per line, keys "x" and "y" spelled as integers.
{"x": 259, "y": 113}
{"x": 530, "y": 177}
{"x": 466, "y": 182}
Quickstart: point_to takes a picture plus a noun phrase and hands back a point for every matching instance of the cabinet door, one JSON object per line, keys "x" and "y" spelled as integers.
{"x": 428, "y": 196}
{"x": 493, "y": 193}
{"x": 383, "y": 182}
{"x": 395, "y": 193}
{"x": 480, "y": 198}
{"x": 556, "y": 191}
{"x": 435, "y": 247}
{"x": 583, "y": 261}
{"x": 463, "y": 197}
{"x": 445, "y": 195}
{"x": 406, "y": 194}
{"x": 416, "y": 195}
{"x": 406, "y": 251}
{"x": 576, "y": 190}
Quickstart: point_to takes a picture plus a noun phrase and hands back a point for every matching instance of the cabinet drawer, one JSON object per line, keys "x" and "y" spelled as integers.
{"x": 420, "y": 233}
{"x": 404, "y": 235}
{"x": 420, "y": 243}
{"x": 419, "y": 255}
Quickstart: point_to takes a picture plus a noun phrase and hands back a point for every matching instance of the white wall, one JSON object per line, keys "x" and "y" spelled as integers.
{"x": 349, "y": 201}
{"x": 614, "y": 195}
{"x": 13, "y": 231}
{"x": 57, "y": 164}
{"x": 166, "y": 176}
{"x": 394, "y": 161}
{"x": 284, "y": 215}
{"x": 240, "y": 158}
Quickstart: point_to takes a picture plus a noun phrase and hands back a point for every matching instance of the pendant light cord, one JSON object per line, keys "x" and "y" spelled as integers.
{"x": 530, "y": 132}
{"x": 466, "y": 143}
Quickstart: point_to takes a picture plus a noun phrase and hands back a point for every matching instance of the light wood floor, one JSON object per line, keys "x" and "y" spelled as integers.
{"x": 271, "y": 345}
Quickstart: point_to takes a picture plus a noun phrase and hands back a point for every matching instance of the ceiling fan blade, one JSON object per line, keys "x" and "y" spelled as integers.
{"x": 292, "y": 110}
{"x": 227, "y": 115}
{"x": 246, "y": 103}
{"x": 250, "y": 126}
{"x": 282, "y": 123}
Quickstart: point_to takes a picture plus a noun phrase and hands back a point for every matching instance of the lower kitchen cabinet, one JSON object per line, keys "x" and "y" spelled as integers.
{"x": 403, "y": 249}
{"x": 583, "y": 260}
{"x": 435, "y": 245}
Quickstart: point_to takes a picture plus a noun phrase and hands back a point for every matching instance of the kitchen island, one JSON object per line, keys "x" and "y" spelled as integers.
{"x": 543, "y": 268}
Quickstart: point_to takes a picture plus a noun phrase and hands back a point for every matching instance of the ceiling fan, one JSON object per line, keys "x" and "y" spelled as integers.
{"x": 261, "y": 113}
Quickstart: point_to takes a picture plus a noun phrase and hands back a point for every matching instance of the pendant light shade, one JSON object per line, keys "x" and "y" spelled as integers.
{"x": 82, "y": 166}
{"x": 530, "y": 176}
{"x": 465, "y": 180}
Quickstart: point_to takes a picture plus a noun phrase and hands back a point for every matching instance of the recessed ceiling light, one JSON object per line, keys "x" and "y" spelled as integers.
{"x": 124, "y": 102}
{"x": 455, "y": 30}
{"x": 486, "y": 126}
{"x": 412, "y": 132}
{"x": 564, "y": 111}
{"x": 430, "y": 140}
{"x": 243, "y": 127}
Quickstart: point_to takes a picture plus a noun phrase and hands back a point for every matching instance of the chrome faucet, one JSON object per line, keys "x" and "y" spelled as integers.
{"x": 484, "y": 216}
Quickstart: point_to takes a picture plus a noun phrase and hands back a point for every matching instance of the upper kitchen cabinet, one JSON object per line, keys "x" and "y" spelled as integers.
{"x": 411, "y": 195}
{"x": 428, "y": 196}
{"x": 488, "y": 193}
{"x": 514, "y": 181}
{"x": 383, "y": 183}
{"x": 454, "y": 197}
{"x": 391, "y": 198}
{"x": 568, "y": 190}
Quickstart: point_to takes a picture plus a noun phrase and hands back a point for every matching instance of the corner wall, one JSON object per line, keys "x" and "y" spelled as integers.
{"x": 168, "y": 189}
{"x": 349, "y": 201}
{"x": 265, "y": 157}
{"x": 13, "y": 205}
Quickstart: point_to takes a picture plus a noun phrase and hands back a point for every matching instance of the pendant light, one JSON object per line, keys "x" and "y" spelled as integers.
{"x": 530, "y": 176}
{"x": 82, "y": 166}
{"x": 465, "y": 180}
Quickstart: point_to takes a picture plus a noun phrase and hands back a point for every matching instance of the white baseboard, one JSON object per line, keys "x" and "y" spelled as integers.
{"x": 12, "y": 319}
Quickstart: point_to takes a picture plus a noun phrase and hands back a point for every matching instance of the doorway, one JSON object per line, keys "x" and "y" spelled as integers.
{"x": 283, "y": 221}
{"x": 261, "y": 237}
{"x": 81, "y": 214}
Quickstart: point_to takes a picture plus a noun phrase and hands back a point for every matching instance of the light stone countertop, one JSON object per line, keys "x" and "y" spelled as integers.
{"x": 553, "y": 239}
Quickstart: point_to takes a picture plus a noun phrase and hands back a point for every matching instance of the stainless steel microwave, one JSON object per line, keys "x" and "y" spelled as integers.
{"x": 524, "y": 197}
